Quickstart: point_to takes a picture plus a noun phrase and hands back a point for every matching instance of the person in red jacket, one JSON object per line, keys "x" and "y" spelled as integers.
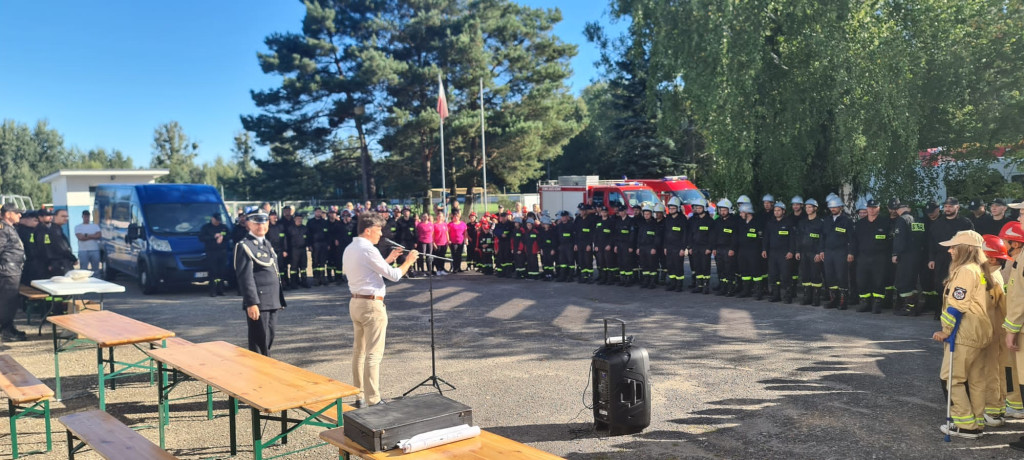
{"x": 529, "y": 248}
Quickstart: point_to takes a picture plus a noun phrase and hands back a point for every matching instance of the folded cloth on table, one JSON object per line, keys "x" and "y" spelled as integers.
{"x": 438, "y": 437}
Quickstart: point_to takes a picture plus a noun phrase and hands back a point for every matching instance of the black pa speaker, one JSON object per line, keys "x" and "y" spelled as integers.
{"x": 621, "y": 373}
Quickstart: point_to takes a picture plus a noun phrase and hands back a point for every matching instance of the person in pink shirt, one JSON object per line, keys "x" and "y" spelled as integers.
{"x": 424, "y": 241}
{"x": 440, "y": 242}
{"x": 457, "y": 240}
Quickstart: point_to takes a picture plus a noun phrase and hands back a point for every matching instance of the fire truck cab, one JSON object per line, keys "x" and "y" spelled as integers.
{"x": 678, "y": 186}
{"x": 610, "y": 196}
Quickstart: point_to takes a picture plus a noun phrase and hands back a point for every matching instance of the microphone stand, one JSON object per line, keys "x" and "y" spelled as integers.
{"x": 433, "y": 380}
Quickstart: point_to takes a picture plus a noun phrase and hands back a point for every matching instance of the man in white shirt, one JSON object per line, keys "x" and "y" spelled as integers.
{"x": 366, "y": 270}
{"x": 88, "y": 235}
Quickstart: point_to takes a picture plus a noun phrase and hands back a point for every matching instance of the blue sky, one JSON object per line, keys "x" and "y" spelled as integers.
{"x": 106, "y": 74}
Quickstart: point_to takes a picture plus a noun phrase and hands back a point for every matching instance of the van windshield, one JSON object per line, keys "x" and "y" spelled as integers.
{"x": 180, "y": 219}
{"x": 641, "y": 196}
{"x": 689, "y": 195}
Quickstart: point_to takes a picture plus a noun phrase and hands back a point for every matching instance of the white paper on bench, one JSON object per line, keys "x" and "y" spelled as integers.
{"x": 438, "y": 437}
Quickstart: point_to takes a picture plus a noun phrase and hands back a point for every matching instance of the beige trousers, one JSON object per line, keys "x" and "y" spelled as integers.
{"x": 370, "y": 324}
{"x": 968, "y": 371}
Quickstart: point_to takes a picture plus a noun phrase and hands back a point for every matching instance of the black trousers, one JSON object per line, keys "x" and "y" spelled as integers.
{"x": 908, "y": 270}
{"x": 779, "y": 269}
{"x": 871, "y": 271}
{"x": 606, "y": 262}
{"x": 837, "y": 270}
{"x": 811, "y": 272}
{"x": 423, "y": 263}
{"x": 457, "y": 249}
{"x": 585, "y": 259}
{"x": 700, "y": 263}
{"x": 675, "y": 263}
{"x": 648, "y": 261}
{"x": 565, "y": 257}
{"x": 439, "y": 251}
{"x": 626, "y": 260}
{"x": 503, "y": 258}
{"x": 10, "y": 300}
{"x": 216, "y": 265}
{"x": 297, "y": 260}
{"x": 726, "y": 265}
{"x": 261, "y": 331}
{"x": 548, "y": 261}
{"x": 319, "y": 258}
{"x": 748, "y": 264}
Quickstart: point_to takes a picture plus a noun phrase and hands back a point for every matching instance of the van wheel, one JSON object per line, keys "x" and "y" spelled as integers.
{"x": 146, "y": 281}
{"x": 106, "y": 272}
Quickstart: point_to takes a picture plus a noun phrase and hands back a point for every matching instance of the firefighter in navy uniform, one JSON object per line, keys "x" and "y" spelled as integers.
{"x": 585, "y": 243}
{"x": 566, "y": 242}
{"x": 297, "y": 240}
{"x": 724, "y": 232}
{"x": 277, "y": 239}
{"x": 698, "y": 236}
{"x": 748, "y": 252}
{"x": 214, "y": 236}
{"x": 648, "y": 241}
{"x": 908, "y": 245}
{"x": 26, "y": 232}
{"x": 503, "y": 244}
{"x": 518, "y": 233}
{"x": 317, "y": 230}
{"x": 331, "y": 266}
{"x": 486, "y": 245}
{"x": 472, "y": 241}
{"x": 778, "y": 247}
{"x": 872, "y": 251}
{"x": 943, "y": 229}
{"x": 603, "y": 248}
{"x": 930, "y": 299}
{"x": 12, "y": 262}
{"x": 762, "y": 218}
{"x": 548, "y": 248}
{"x": 836, "y": 238}
{"x": 256, "y": 269}
{"x": 674, "y": 242}
{"x": 625, "y": 245}
{"x": 659, "y": 217}
{"x": 811, "y": 253}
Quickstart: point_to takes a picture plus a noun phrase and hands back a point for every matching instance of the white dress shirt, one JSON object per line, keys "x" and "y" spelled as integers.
{"x": 366, "y": 268}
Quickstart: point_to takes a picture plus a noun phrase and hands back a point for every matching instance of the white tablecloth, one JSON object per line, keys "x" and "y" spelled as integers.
{"x": 74, "y": 288}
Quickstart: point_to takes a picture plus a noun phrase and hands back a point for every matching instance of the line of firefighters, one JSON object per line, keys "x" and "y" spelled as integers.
{"x": 874, "y": 261}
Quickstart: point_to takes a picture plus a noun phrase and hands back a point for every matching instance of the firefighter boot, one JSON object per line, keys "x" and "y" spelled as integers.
{"x": 790, "y": 293}
{"x": 759, "y": 290}
{"x": 833, "y": 298}
{"x": 808, "y": 295}
{"x": 844, "y": 295}
{"x": 679, "y": 284}
{"x": 698, "y": 285}
{"x": 734, "y": 288}
{"x": 877, "y": 305}
{"x": 865, "y": 304}
{"x": 305, "y": 279}
{"x": 671, "y": 285}
{"x": 776, "y": 295}
{"x": 707, "y": 285}
{"x": 816, "y": 296}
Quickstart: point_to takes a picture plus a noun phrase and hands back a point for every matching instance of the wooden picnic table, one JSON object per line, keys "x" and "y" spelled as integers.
{"x": 103, "y": 329}
{"x": 486, "y": 446}
{"x": 266, "y": 385}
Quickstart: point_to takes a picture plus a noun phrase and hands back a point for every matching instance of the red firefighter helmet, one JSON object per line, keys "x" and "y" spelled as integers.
{"x": 1012, "y": 231}
{"x": 995, "y": 248}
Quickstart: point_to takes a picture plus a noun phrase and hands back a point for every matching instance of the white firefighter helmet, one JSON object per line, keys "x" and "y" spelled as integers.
{"x": 724, "y": 203}
{"x": 743, "y": 199}
{"x": 675, "y": 201}
{"x": 658, "y": 207}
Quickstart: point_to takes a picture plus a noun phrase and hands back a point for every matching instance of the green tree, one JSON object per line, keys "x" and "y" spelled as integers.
{"x": 99, "y": 158}
{"x": 27, "y": 154}
{"x": 172, "y": 150}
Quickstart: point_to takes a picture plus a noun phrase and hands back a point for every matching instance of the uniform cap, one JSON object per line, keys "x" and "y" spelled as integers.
{"x": 768, "y": 197}
{"x": 44, "y": 212}
{"x": 952, "y": 201}
{"x": 797, "y": 200}
{"x": 743, "y": 199}
{"x": 999, "y": 201}
{"x": 31, "y": 213}
{"x": 258, "y": 216}
{"x": 894, "y": 203}
{"x": 975, "y": 204}
{"x": 931, "y": 207}
{"x": 872, "y": 203}
{"x": 724, "y": 203}
{"x": 580, "y": 206}
{"x": 1012, "y": 231}
{"x": 812, "y": 202}
{"x": 564, "y": 214}
{"x": 637, "y": 206}
{"x": 623, "y": 207}
{"x": 9, "y": 207}
{"x": 994, "y": 247}
{"x": 965, "y": 237}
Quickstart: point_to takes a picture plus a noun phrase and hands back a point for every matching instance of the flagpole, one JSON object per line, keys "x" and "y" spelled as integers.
{"x": 444, "y": 188}
{"x": 483, "y": 143}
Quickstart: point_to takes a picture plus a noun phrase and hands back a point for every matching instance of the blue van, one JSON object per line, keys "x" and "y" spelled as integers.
{"x": 151, "y": 231}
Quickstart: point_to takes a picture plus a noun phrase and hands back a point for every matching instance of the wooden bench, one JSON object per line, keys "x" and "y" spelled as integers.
{"x": 22, "y": 388}
{"x": 486, "y": 446}
{"x": 31, "y": 293}
{"x": 171, "y": 342}
{"x": 108, "y": 437}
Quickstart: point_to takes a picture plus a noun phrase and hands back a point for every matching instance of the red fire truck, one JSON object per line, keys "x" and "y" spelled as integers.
{"x": 569, "y": 191}
{"x": 678, "y": 186}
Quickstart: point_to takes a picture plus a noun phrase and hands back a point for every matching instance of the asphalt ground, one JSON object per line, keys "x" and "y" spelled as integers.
{"x": 733, "y": 378}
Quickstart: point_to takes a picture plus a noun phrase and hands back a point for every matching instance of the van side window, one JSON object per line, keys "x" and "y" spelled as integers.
{"x": 615, "y": 197}
{"x": 598, "y": 200}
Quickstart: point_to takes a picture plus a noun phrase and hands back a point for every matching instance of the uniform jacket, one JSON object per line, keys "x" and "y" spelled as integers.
{"x": 277, "y": 238}
{"x": 1014, "y": 296}
{"x": 871, "y": 238}
{"x": 779, "y": 235}
{"x": 626, "y": 232}
{"x": 12, "y": 251}
{"x": 749, "y": 235}
{"x": 585, "y": 230}
{"x": 649, "y": 233}
{"x": 256, "y": 269}
{"x": 942, "y": 229}
{"x": 966, "y": 291}
{"x": 566, "y": 237}
{"x": 908, "y": 238}
{"x": 675, "y": 231}
{"x": 52, "y": 245}
{"x": 724, "y": 232}
{"x": 810, "y": 232}
{"x": 838, "y": 233}
{"x": 604, "y": 232}
{"x": 208, "y": 233}
{"x": 548, "y": 238}
{"x": 406, "y": 231}
{"x": 317, "y": 230}
{"x": 698, "y": 232}
{"x": 296, "y": 238}
{"x": 529, "y": 241}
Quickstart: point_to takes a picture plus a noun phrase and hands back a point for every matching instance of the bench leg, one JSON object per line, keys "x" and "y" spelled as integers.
{"x": 209, "y": 402}
{"x": 56, "y": 358}
{"x": 71, "y": 446}
{"x": 284, "y": 427}
{"x": 232, "y": 413}
{"x": 101, "y": 371}
{"x": 257, "y": 435}
{"x": 46, "y": 418}
{"x": 110, "y": 355}
{"x": 161, "y": 411}
{"x": 13, "y": 417}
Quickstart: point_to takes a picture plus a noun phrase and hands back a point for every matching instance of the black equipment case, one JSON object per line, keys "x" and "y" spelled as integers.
{"x": 379, "y": 428}
{"x": 621, "y": 374}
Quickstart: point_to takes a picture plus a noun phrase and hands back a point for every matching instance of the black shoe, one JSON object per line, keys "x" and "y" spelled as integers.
{"x": 865, "y": 306}
{"x": 358, "y": 404}
{"x": 379, "y": 403}
{"x": 13, "y": 335}
{"x": 213, "y": 294}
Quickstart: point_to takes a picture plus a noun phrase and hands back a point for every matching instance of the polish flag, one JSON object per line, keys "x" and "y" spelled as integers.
{"x": 442, "y": 102}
